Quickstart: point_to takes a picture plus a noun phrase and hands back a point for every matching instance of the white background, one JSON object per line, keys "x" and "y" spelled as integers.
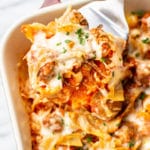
{"x": 10, "y": 12}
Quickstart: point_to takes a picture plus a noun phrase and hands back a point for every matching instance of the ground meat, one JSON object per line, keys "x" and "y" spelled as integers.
{"x": 147, "y": 55}
{"x": 77, "y": 17}
{"x": 143, "y": 72}
{"x": 105, "y": 109}
{"x": 45, "y": 71}
{"x": 54, "y": 122}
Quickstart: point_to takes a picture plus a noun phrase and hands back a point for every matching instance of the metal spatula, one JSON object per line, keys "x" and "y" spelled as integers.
{"x": 109, "y": 13}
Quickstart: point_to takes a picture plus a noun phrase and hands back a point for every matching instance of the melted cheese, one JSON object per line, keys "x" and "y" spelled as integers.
{"x": 145, "y": 144}
{"x": 148, "y": 22}
{"x": 133, "y": 117}
{"x": 68, "y": 125}
{"x": 57, "y": 49}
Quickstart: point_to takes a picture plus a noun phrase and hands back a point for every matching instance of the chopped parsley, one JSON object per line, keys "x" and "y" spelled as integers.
{"x": 64, "y": 50}
{"x": 102, "y": 59}
{"x": 67, "y": 33}
{"x": 120, "y": 59}
{"x": 89, "y": 139}
{"x": 67, "y": 41}
{"x": 80, "y": 32}
{"x": 118, "y": 124}
{"x": 59, "y": 77}
{"x": 58, "y": 44}
{"x": 131, "y": 144}
{"x": 94, "y": 57}
{"x": 82, "y": 36}
{"x": 86, "y": 35}
{"x": 142, "y": 96}
{"x": 139, "y": 13}
{"x": 82, "y": 41}
{"x": 137, "y": 54}
{"x": 146, "y": 40}
{"x": 104, "y": 124}
{"x": 62, "y": 122}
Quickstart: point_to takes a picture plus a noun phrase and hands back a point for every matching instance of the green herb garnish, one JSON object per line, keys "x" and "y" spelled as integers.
{"x": 64, "y": 50}
{"x": 142, "y": 96}
{"x": 67, "y": 33}
{"x": 62, "y": 122}
{"x": 146, "y": 40}
{"x": 82, "y": 36}
{"x": 80, "y": 32}
{"x": 131, "y": 144}
{"x": 137, "y": 54}
{"x": 104, "y": 124}
{"x": 120, "y": 59}
{"x": 86, "y": 35}
{"x": 89, "y": 139}
{"x": 59, "y": 76}
{"x": 82, "y": 41}
{"x": 139, "y": 13}
{"x": 118, "y": 124}
{"x": 102, "y": 59}
{"x": 58, "y": 44}
{"x": 67, "y": 41}
{"x": 94, "y": 57}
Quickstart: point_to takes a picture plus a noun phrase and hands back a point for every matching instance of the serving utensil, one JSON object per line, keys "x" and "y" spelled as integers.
{"x": 109, "y": 13}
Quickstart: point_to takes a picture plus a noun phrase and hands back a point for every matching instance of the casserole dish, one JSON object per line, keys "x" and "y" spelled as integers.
{"x": 14, "y": 45}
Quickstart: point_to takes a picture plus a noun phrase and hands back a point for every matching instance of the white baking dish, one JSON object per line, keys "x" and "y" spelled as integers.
{"x": 14, "y": 44}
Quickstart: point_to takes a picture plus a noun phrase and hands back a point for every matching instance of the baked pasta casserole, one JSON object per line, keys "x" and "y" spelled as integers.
{"x": 85, "y": 89}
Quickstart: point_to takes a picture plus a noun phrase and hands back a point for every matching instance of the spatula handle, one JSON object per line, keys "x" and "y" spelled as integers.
{"x": 49, "y": 2}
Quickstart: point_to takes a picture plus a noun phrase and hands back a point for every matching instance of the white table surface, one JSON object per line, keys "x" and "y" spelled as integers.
{"x": 10, "y": 12}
